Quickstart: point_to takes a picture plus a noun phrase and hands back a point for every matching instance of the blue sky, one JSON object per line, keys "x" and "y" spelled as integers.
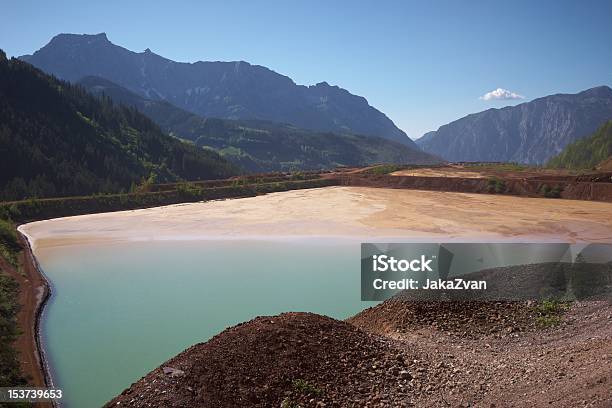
{"x": 422, "y": 63}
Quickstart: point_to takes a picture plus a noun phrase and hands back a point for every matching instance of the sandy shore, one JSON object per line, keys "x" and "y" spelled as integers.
{"x": 356, "y": 212}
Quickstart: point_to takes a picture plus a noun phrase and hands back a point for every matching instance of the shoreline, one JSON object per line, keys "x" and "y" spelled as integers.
{"x": 39, "y": 314}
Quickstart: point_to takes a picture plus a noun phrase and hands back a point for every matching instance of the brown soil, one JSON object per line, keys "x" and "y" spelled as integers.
{"x": 393, "y": 355}
{"x": 605, "y": 165}
{"x": 471, "y": 319}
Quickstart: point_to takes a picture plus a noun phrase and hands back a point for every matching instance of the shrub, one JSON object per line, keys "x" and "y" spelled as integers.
{"x": 298, "y": 175}
{"x": 8, "y": 236}
{"x": 548, "y": 192}
{"x": 189, "y": 190}
{"x": 496, "y": 185}
{"x": 549, "y": 312}
{"x": 9, "y": 243}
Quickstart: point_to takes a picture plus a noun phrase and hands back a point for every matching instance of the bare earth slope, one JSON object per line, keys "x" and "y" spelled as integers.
{"x": 293, "y": 357}
{"x": 515, "y": 365}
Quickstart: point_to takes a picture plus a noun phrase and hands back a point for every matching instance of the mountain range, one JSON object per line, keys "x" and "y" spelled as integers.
{"x": 262, "y": 146}
{"x": 532, "y": 132}
{"x": 263, "y": 121}
{"x": 226, "y": 90}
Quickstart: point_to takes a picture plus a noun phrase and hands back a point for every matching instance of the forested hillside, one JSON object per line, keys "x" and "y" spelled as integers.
{"x": 262, "y": 146}
{"x": 586, "y": 153}
{"x": 56, "y": 139}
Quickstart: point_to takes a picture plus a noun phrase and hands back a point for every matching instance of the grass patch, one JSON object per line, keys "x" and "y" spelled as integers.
{"x": 549, "y": 313}
{"x": 385, "y": 169}
{"x": 500, "y": 166}
{"x": 306, "y": 387}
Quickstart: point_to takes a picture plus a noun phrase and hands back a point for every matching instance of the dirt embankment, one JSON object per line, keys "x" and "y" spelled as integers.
{"x": 33, "y": 293}
{"x": 397, "y": 354}
{"x": 595, "y": 187}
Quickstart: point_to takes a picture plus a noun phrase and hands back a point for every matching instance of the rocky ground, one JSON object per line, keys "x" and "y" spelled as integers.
{"x": 397, "y": 354}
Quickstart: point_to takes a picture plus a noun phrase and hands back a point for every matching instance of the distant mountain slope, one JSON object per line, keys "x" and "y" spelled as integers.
{"x": 261, "y": 146}
{"x": 173, "y": 120}
{"x": 230, "y": 90}
{"x": 587, "y": 153}
{"x": 531, "y": 132}
{"x": 56, "y": 139}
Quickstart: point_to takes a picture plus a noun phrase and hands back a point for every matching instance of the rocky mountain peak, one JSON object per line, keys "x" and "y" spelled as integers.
{"x": 531, "y": 132}
{"x": 598, "y": 91}
{"x": 229, "y": 90}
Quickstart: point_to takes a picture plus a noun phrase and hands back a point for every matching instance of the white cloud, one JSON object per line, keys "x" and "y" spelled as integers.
{"x": 500, "y": 94}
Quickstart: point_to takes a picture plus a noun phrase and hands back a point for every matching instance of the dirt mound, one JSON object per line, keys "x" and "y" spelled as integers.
{"x": 285, "y": 360}
{"x": 564, "y": 364}
{"x": 468, "y": 319}
{"x": 306, "y": 360}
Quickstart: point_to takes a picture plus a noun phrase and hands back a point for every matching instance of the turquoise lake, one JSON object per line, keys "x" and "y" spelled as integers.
{"x": 120, "y": 310}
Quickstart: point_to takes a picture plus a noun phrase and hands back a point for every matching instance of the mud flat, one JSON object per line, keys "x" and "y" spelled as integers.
{"x": 356, "y": 212}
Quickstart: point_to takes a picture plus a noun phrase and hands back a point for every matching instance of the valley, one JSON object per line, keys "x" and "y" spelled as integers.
{"x": 194, "y": 224}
